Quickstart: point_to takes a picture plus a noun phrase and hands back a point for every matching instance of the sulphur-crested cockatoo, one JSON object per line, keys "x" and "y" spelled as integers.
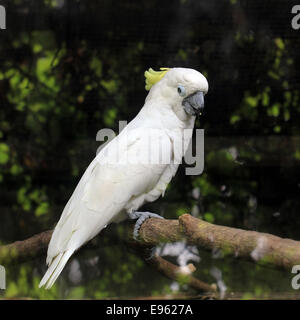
{"x": 134, "y": 168}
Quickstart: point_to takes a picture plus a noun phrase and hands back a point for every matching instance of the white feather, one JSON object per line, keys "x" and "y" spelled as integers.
{"x": 121, "y": 179}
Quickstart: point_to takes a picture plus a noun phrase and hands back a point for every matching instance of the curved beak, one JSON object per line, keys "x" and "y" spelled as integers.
{"x": 194, "y": 103}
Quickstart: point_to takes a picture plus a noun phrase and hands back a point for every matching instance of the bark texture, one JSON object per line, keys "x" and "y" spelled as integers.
{"x": 257, "y": 247}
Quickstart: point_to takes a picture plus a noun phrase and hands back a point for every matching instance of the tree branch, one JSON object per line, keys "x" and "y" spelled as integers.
{"x": 173, "y": 272}
{"x": 20, "y": 251}
{"x": 257, "y": 247}
{"x": 262, "y": 248}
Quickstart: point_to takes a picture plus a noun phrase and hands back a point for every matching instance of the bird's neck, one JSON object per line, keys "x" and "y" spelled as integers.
{"x": 166, "y": 116}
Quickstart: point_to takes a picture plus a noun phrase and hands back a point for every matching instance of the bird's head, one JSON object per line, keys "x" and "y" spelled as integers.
{"x": 183, "y": 88}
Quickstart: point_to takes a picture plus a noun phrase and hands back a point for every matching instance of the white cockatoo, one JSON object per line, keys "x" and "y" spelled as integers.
{"x": 122, "y": 178}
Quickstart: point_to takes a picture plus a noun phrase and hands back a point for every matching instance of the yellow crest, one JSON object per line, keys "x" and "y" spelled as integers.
{"x": 153, "y": 77}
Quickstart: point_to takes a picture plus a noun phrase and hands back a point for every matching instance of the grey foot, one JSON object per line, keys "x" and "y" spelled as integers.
{"x": 141, "y": 217}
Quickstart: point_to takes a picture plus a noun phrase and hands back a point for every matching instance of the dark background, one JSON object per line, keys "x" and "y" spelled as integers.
{"x": 70, "y": 68}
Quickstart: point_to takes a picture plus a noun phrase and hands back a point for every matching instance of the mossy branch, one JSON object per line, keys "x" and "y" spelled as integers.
{"x": 261, "y": 248}
{"x": 258, "y": 247}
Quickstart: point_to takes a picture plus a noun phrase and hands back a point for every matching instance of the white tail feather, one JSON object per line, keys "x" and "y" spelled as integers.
{"x": 55, "y": 268}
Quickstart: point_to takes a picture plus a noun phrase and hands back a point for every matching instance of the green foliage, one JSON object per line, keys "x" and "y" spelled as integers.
{"x": 209, "y": 217}
{"x": 4, "y": 153}
{"x": 62, "y": 81}
{"x": 21, "y": 283}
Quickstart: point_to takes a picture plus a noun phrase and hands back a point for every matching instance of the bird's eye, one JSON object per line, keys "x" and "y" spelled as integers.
{"x": 181, "y": 90}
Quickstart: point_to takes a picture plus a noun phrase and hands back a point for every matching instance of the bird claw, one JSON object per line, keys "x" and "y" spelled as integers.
{"x": 141, "y": 217}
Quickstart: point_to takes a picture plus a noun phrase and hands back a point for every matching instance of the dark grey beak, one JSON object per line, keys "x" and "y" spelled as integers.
{"x": 194, "y": 103}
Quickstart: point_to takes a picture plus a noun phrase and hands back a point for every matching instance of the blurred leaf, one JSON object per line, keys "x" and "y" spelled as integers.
{"x": 209, "y": 217}
{"x": 279, "y": 43}
{"x": 42, "y": 209}
{"x": 4, "y": 153}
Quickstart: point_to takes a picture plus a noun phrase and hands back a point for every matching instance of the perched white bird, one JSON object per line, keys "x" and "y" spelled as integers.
{"x": 121, "y": 178}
